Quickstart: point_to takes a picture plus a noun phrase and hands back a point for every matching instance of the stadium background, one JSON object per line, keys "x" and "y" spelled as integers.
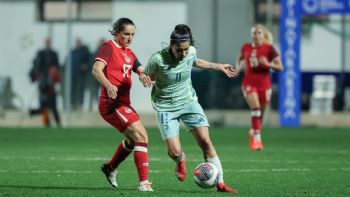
{"x": 219, "y": 27}
{"x": 310, "y": 160}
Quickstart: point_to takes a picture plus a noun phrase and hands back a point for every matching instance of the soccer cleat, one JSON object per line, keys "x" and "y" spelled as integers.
{"x": 145, "y": 187}
{"x": 180, "y": 169}
{"x": 110, "y": 174}
{"x": 222, "y": 187}
{"x": 259, "y": 145}
{"x": 254, "y": 144}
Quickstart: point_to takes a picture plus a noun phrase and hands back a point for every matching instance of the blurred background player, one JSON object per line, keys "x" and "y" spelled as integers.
{"x": 174, "y": 98}
{"x": 45, "y": 71}
{"x": 259, "y": 57}
{"x": 81, "y": 65}
{"x": 112, "y": 68}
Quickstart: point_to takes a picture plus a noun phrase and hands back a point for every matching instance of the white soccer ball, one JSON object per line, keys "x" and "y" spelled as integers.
{"x": 206, "y": 175}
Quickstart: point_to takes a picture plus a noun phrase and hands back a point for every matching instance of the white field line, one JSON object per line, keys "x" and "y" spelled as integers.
{"x": 74, "y": 158}
{"x": 275, "y": 170}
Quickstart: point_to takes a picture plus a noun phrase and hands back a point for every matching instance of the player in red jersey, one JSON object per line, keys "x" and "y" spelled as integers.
{"x": 259, "y": 57}
{"x": 112, "y": 69}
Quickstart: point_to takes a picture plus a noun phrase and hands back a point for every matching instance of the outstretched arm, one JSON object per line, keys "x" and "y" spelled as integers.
{"x": 145, "y": 79}
{"x": 225, "y": 68}
{"x": 239, "y": 63}
{"x": 97, "y": 72}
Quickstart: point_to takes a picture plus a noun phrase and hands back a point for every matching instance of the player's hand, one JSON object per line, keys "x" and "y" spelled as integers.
{"x": 112, "y": 91}
{"x": 228, "y": 70}
{"x": 263, "y": 61}
{"x": 145, "y": 80}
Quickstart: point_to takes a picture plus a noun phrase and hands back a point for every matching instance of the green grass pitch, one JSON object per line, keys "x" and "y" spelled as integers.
{"x": 66, "y": 162}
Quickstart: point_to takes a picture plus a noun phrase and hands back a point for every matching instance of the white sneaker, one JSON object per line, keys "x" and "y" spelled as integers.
{"x": 110, "y": 174}
{"x": 145, "y": 186}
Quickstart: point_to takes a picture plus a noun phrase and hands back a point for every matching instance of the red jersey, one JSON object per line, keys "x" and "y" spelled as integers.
{"x": 119, "y": 62}
{"x": 257, "y": 74}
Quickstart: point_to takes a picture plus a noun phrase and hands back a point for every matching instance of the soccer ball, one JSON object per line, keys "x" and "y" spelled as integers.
{"x": 206, "y": 175}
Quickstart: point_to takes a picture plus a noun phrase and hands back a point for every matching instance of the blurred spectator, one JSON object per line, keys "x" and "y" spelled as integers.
{"x": 81, "y": 67}
{"x": 94, "y": 86}
{"x": 45, "y": 72}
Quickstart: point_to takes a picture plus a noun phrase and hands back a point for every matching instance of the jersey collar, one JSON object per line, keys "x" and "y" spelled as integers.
{"x": 117, "y": 45}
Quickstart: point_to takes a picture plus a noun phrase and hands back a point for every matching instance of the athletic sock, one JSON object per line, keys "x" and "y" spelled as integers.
{"x": 180, "y": 158}
{"x": 216, "y": 161}
{"x": 123, "y": 151}
{"x": 256, "y": 123}
{"x": 141, "y": 160}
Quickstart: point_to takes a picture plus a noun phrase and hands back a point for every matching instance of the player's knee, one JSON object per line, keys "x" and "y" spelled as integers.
{"x": 141, "y": 136}
{"x": 174, "y": 152}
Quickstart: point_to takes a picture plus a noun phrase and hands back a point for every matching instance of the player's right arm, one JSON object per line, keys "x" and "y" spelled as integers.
{"x": 239, "y": 62}
{"x": 102, "y": 57}
{"x": 97, "y": 72}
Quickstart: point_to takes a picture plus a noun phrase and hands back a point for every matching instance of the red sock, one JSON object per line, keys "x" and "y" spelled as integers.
{"x": 141, "y": 160}
{"x": 123, "y": 151}
{"x": 256, "y": 120}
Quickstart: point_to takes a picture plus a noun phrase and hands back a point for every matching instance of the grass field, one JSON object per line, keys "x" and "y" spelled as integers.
{"x": 295, "y": 162}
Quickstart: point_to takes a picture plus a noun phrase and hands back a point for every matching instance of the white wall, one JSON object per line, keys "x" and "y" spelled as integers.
{"x": 321, "y": 51}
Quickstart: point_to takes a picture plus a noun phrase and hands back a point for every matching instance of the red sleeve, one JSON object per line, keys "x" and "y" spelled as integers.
{"x": 273, "y": 53}
{"x": 104, "y": 54}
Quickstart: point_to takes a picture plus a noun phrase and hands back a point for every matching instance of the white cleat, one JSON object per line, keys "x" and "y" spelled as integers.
{"x": 145, "y": 186}
{"x": 110, "y": 174}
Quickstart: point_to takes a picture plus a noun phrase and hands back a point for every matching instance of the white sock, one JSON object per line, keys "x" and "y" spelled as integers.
{"x": 257, "y": 137}
{"x": 144, "y": 182}
{"x": 216, "y": 161}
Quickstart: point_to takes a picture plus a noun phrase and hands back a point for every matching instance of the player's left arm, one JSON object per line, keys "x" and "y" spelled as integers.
{"x": 276, "y": 64}
{"x": 225, "y": 68}
{"x": 275, "y": 60}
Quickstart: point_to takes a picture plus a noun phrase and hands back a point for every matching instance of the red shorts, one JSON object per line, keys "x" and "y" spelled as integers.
{"x": 120, "y": 116}
{"x": 264, "y": 95}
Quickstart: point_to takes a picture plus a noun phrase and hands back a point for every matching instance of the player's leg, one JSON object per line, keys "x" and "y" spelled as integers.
{"x": 197, "y": 122}
{"x": 168, "y": 124}
{"x": 137, "y": 133}
{"x": 126, "y": 120}
{"x": 252, "y": 100}
{"x": 121, "y": 153}
{"x": 201, "y": 135}
{"x": 264, "y": 100}
{"x": 175, "y": 153}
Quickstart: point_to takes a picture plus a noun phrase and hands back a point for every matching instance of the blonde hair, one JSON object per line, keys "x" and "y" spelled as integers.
{"x": 268, "y": 38}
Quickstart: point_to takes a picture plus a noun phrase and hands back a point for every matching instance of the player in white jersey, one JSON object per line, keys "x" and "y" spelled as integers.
{"x": 174, "y": 99}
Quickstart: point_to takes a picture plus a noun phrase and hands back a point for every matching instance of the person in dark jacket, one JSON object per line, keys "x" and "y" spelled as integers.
{"x": 45, "y": 71}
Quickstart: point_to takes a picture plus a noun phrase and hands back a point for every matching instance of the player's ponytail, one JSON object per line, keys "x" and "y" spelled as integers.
{"x": 268, "y": 38}
{"x": 120, "y": 24}
{"x": 181, "y": 33}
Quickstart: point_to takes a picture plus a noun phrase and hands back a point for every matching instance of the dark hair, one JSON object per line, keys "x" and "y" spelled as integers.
{"x": 120, "y": 24}
{"x": 181, "y": 33}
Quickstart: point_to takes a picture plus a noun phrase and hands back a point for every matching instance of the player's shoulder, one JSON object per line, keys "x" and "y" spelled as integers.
{"x": 267, "y": 46}
{"x": 192, "y": 49}
{"x": 246, "y": 46}
{"x": 157, "y": 56}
